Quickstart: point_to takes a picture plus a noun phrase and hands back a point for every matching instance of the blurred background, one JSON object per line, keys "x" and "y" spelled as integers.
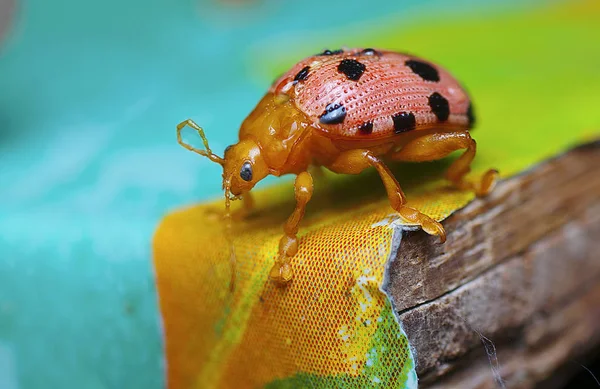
{"x": 90, "y": 93}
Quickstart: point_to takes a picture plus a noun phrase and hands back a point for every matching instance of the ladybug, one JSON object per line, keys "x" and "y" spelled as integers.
{"x": 349, "y": 110}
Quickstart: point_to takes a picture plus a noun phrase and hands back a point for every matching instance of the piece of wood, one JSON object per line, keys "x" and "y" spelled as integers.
{"x": 522, "y": 267}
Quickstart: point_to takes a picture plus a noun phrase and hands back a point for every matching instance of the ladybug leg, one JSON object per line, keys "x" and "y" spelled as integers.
{"x": 288, "y": 244}
{"x": 437, "y": 146}
{"x": 355, "y": 161}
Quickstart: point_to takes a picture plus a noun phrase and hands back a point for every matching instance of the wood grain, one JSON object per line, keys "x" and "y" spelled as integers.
{"x": 522, "y": 267}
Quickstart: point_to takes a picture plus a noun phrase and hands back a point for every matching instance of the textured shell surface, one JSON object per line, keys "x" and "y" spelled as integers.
{"x": 369, "y": 93}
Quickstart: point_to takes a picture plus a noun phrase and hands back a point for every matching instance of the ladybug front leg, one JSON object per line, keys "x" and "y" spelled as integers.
{"x": 288, "y": 244}
{"x": 355, "y": 161}
{"x": 436, "y": 146}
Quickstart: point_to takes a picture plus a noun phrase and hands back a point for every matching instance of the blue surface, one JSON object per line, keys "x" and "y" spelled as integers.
{"x": 89, "y": 96}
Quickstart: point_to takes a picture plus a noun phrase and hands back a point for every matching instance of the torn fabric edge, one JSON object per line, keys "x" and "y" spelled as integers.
{"x": 398, "y": 231}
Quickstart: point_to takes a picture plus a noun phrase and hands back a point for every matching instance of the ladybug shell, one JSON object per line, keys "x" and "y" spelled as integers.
{"x": 367, "y": 93}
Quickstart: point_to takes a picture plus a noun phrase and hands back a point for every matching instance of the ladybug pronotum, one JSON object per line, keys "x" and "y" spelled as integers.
{"x": 348, "y": 110}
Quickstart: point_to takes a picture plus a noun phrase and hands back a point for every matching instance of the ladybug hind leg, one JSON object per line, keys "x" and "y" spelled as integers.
{"x": 436, "y": 146}
{"x": 355, "y": 161}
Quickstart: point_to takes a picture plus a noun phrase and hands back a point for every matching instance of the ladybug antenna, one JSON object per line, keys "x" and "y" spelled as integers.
{"x": 208, "y": 152}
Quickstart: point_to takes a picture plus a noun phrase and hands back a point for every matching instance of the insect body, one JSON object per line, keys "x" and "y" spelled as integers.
{"x": 348, "y": 111}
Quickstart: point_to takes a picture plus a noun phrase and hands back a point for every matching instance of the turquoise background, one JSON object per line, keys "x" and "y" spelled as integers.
{"x": 90, "y": 93}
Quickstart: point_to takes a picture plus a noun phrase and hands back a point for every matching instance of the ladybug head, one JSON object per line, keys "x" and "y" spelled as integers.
{"x": 243, "y": 165}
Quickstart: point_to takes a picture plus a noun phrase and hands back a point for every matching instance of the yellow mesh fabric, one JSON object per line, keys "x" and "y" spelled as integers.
{"x": 330, "y": 327}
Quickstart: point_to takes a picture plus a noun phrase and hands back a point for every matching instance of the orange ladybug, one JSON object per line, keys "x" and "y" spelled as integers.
{"x": 348, "y": 110}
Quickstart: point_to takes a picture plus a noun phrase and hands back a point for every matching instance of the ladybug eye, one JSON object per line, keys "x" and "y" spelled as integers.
{"x": 246, "y": 171}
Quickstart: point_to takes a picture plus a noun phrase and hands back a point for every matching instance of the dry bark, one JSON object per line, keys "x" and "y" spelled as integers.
{"x": 521, "y": 267}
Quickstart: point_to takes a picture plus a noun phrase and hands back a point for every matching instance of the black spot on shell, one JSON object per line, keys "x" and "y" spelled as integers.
{"x": 330, "y": 52}
{"x": 424, "y": 70}
{"x": 352, "y": 69}
{"x": 333, "y": 114}
{"x": 471, "y": 115}
{"x": 302, "y": 74}
{"x": 439, "y": 106}
{"x": 370, "y": 51}
{"x": 404, "y": 121}
{"x": 366, "y": 128}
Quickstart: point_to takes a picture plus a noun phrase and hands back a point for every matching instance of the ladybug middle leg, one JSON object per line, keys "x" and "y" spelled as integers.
{"x": 355, "y": 161}
{"x": 436, "y": 146}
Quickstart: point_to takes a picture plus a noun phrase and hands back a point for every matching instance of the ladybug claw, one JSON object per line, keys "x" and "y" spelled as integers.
{"x": 488, "y": 182}
{"x": 281, "y": 273}
{"x": 428, "y": 225}
{"x": 443, "y": 237}
{"x": 433, "y": 227}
